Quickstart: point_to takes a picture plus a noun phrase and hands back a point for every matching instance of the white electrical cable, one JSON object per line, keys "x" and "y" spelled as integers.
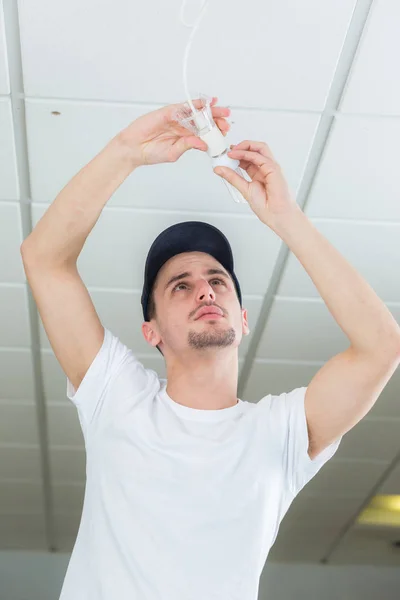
{"x": 195, "y": 26}
{"x": 213, "y": 137}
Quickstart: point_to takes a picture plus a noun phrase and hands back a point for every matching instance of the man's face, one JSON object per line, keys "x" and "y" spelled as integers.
{"x": 178, "y": 323}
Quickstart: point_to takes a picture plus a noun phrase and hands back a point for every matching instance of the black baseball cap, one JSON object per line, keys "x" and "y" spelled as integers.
{"x": 189, "y": 236}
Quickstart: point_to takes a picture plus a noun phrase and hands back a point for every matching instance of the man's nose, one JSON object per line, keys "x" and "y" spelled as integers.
{"x": 206, "y": 291}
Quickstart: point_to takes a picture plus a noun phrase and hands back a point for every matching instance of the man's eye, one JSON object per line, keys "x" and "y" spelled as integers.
{"x": 179, "y": 284}
{"x": 213, "y": 280}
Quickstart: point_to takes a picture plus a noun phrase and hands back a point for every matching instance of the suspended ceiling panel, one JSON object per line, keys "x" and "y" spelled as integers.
{"x": 368, "y": 547}
{"x": 11, "y": 270}
{"x": 374, "y": 85}
{"x": 301, "y": 330}
{"x": 4, "y": 75}
{"x": 9, "y": 189}
{"x": 372, "y": 248}
{"x": 358, "y": 175}
{"x": 392, "y": 483}
{"x": 272, "y": 72}
{"x": 267, "y": 376}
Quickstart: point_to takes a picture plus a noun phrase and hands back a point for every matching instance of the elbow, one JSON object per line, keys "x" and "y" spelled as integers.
{"x": 392, "y": 350}
{"x": 387, "y": 351}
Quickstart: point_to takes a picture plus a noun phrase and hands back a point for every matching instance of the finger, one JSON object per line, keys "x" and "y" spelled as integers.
{"x": 247, "y": 166}
{"x": 223, "y": 125}
{"x": 260, "y": 147}
{"x": 254, "y": 157}
{"x": 216, "y": 111}
{"x": 250, "y": 169}
{"x": 186, "y": 143}
{"x": 220, "y": 111}
{"x": 199, "y": 103}
{"x": 234, "y": 179}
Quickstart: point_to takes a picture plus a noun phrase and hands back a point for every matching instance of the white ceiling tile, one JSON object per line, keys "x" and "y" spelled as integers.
{"x": 374, "y": 86}
{"x": 302, "y": 545}
{"x": 157, "y": 364}
{"x": 66, "y": 543}
{"x": 16, "y": 375}
{"x": 310, "y": 512}
{"x": 68, "y": 497}
{"x": 54, "y": 379}
{"x": 64, "y": 428}
{"x": 358, "y": 175}
{"x": 372, "y": 248}
{"x": 61, "y": 145}
{"x": 22, "y": 532}
{"x": 9, "y": 188}
{"x": 68, "y": 465}
{"x": 18, "y": 424}
{"x": 12, "y": 269}
{"x": 20, "y": 463}
{"x": 301, "y": 330}
{"x": 346, "y": 477}
{"x": 369, "y": 546}
{"x": 275, "y": 378}
{"x": 115, "y": 252}
{"x": 4, "y": 74}
{"x": 21, "y": 496}
{"x": 105, "y": 61}
{"x": 392, "y": 484}
{"x": 67, "y": 523}
{"x": 14, "y": 317}
{"x": 371, "y": 438}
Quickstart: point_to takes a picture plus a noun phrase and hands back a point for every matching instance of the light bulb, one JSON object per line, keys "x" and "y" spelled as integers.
{"x": 201, "y": 124}
{"x": 223, "y": 160}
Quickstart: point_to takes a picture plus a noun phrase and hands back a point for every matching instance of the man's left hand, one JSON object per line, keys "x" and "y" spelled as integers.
{"x": 267, "y": 193}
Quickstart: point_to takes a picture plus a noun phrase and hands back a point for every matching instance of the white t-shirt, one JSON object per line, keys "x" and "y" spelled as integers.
{"x": 180, "y": 503}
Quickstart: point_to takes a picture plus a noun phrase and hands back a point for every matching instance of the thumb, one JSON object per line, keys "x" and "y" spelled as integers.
{"x": 234, "y": 179}
{"x": 188, "y": 143}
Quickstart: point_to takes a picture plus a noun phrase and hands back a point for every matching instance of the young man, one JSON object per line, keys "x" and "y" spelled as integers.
{"x": 186, "y": 483}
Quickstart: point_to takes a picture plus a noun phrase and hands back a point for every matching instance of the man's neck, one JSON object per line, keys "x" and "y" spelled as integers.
{"x": 209, "y": 385}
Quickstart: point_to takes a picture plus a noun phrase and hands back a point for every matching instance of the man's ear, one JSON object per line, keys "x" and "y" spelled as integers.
{"x": 150, "y": 333}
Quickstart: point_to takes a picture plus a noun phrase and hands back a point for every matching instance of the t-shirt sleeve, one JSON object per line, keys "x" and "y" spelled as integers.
{"x": 288, "y": 414}
{"x": 114, "y": 374}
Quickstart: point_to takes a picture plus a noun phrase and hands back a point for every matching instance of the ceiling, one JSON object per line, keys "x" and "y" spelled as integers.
{"x": 316, "y": 81}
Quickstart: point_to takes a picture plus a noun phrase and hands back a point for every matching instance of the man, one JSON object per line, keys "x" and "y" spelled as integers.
{"x": 186, "y": 483}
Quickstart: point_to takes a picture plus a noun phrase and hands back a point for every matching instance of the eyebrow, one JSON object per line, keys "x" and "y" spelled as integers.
{"x": 189, "y": 274}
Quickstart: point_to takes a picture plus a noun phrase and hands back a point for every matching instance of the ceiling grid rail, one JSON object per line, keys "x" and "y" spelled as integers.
{"x": 13, "y": 45}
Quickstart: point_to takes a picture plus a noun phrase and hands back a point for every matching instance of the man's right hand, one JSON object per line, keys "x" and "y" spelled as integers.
{"x": 157, "y": 138}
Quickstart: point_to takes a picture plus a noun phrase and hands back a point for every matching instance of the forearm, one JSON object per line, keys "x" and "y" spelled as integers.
{"x": 359, "y": 312}
{"x": 59, "y": 236}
